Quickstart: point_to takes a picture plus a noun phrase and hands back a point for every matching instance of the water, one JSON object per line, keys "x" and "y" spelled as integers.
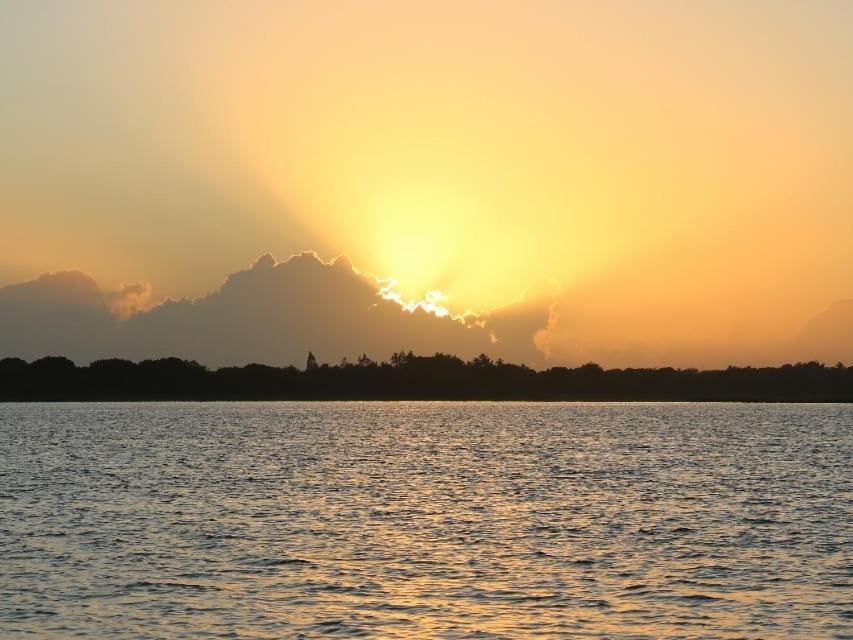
{"x": 402, "y": 520}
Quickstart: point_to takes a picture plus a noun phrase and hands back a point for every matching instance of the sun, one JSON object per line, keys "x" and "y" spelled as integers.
{"x": 418, "y": 237}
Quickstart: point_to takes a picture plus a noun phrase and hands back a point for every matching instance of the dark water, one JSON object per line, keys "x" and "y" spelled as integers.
{"x": 468, "y": 520}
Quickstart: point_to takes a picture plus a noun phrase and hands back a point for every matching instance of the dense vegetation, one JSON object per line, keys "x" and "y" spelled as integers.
{"x": 406, "y": 376}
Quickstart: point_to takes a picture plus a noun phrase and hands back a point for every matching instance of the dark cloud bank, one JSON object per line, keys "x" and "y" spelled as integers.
{"x": 272, "y": 313}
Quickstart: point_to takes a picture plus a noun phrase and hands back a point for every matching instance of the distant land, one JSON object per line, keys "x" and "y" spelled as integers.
{"x": 406, "y": 376}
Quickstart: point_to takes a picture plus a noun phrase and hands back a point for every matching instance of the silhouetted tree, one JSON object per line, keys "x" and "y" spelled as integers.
{"x": 482, "y": 360}
{"x": 400, "y": 359}
{"x": 441, "y": 376}
{"x": 311, "y": 363}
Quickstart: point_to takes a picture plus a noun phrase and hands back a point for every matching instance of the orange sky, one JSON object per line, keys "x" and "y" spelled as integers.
{"x": 679, "y": 176}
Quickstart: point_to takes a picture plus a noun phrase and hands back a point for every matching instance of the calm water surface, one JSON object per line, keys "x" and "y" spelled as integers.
{"x": 455, "y": 520}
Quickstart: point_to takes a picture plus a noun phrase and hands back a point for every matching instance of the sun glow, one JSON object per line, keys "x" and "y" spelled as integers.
{"x": 682, "y": 174}
{"x": 416, "y": 234}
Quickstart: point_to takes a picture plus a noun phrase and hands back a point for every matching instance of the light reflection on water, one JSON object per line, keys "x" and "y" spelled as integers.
{"x": 270, "y": 520}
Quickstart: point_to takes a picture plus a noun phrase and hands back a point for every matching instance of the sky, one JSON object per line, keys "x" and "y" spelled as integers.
{"x": 664, "y": 183}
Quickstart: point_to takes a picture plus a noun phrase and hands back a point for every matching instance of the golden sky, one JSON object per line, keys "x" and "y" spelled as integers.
{"x": 678, "y": 174}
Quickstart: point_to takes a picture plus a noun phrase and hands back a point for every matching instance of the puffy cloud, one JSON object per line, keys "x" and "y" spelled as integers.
{"x": 63, "y": 313}
{"x": 271, "y": 313}
{"x": 516, "y": 330}
{"x": 274, "y": 313}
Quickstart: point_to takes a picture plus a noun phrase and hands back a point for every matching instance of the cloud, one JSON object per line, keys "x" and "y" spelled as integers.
{"x": 582, "y": 329}
{"x": 271, "y": 313}
{"x": 516, "y": 329}
{"x": 274, "y": 312}
{"x": 63, "y": 313}
{"x": 828, "y": 336}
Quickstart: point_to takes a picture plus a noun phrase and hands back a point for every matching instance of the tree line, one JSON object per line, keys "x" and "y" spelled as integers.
{"x": 407, "y": 376}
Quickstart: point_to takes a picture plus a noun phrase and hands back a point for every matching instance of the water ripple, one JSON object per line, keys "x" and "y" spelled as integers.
{"x": 424, "y": 520}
